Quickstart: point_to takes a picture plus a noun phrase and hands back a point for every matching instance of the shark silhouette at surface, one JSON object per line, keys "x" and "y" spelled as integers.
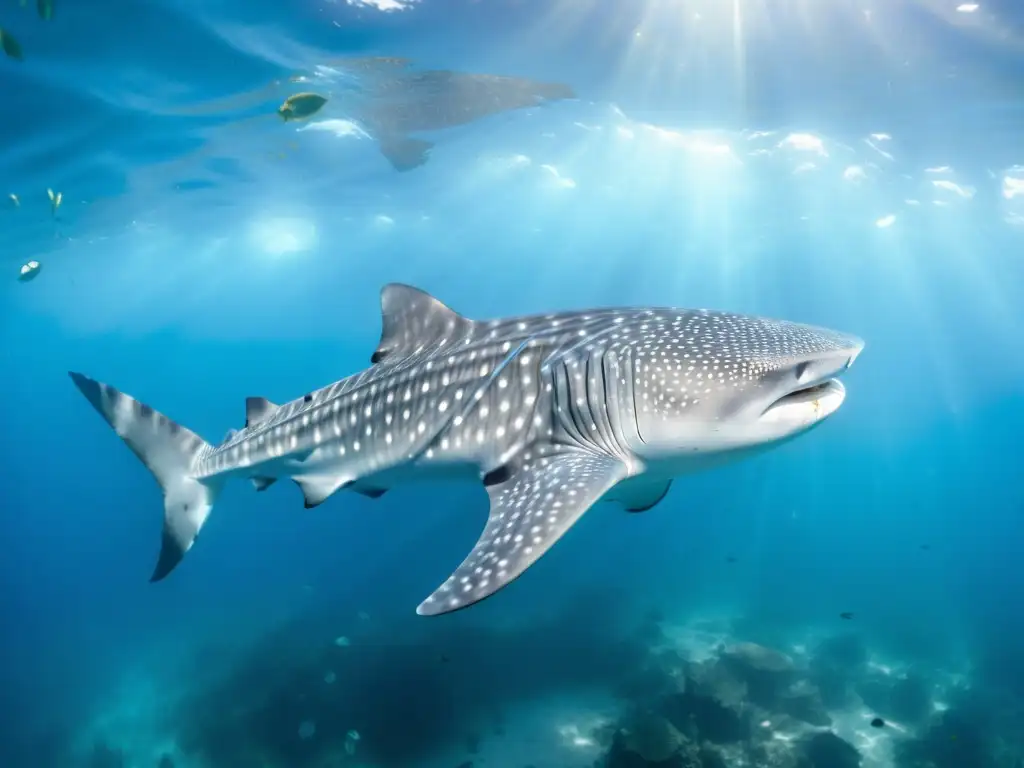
{"x": 397, "y": 103}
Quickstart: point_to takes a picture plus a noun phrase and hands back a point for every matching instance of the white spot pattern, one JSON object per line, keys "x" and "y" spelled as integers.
{"x": 551, "y": 398}
{"x": 529, "y": 512}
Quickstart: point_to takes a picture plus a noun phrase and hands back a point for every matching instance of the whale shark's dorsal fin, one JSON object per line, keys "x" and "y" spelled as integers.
{"x": 412, "y": 320}
{"x": 258, "y": 410}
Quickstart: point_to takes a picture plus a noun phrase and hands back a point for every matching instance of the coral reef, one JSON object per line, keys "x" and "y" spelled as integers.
{"x": 682, "y": 698}
{"x": 724, "y": 710}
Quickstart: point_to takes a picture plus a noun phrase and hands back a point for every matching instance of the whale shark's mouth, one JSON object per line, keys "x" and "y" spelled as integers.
{"x": 821, "y": 399}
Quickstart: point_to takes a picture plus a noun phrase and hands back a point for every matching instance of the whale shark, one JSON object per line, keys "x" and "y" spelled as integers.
{"x": 396, "y": 107}
{"x": 550, "y": 413}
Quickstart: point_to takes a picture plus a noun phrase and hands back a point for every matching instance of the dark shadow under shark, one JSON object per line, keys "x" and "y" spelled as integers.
{"x": 396, "y": 107}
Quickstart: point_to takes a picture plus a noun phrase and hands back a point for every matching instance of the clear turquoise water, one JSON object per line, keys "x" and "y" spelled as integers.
{"x": 851, "y": 165}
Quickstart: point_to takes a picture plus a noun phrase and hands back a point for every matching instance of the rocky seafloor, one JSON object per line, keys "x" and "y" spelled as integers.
{"x": 829, "y": 705}
{"x": 676, "y": 696}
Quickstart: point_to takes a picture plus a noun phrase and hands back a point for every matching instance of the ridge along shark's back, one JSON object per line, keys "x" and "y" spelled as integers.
{"x": 552, "y": 413}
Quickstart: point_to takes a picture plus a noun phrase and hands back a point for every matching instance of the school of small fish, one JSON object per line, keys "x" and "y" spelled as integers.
{"x": 299, "y": 106}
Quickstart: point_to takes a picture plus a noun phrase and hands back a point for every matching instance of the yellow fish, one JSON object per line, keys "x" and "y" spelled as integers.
{"x": 300, "y": 106}
{"x": 9, "y": 45}
{"x": 55, "y": 200}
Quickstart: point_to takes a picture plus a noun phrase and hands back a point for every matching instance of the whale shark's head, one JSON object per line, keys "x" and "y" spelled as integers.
{"x": 713, "y": 382}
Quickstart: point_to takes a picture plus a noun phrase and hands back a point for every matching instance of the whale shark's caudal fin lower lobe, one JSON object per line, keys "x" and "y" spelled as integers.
{"x": 403, "y": 152}
{"x": 168, "y": 450}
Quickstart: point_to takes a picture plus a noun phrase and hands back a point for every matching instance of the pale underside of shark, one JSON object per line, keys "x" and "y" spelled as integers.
{"x": 416, "y": 102}
{"x": 551, "y": 413}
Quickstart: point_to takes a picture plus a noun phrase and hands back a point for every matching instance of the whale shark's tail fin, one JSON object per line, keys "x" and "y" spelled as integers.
{"x": 168, "y": 450}
{"x": 403, "y": 152}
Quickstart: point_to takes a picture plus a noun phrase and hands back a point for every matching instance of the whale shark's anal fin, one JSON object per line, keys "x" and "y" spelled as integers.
{"x": 404, "y": 152}
{"x": 532, "y": 505}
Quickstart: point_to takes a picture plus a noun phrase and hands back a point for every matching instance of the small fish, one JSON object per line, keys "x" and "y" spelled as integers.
{"x": 845, "y": 615}
{"x": 9, "y": 45}
{"x": 29, "y": 271}
{"x": 444, "y": 658}
{"x": 15, "y": 200}
{"x": 55, "y": 200}
{"x": 878, "y": 723}
{"x": 45, "y": 8}
{"x": 926, "y": 547}
{"x": 300, "y": 106}
{"x": 730, "y": 559}
{"x": 351, "y": 739}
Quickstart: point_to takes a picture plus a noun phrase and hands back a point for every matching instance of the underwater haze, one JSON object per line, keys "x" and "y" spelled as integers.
{"x": 178, "y": 225}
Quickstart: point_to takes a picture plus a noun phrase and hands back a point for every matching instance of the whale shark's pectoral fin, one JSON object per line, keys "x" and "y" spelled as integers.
{"x": 404, "y": 152}
{"x": 532, "y": 504}
{"x": 641, "y": 494}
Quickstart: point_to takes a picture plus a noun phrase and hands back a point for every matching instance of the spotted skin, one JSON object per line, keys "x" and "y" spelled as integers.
{"x": 548, "y": 490}
{"x": 553, "y": 413}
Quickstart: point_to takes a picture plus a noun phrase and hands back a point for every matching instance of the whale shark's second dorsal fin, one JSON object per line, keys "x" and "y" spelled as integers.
{"x": 412, "y": 320}
{"x": 258, "y": 410}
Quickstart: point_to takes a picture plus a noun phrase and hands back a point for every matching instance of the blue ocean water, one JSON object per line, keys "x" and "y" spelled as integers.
{"x": 848, "y": 164}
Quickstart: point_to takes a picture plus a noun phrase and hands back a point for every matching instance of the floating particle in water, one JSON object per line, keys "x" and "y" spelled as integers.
{"x": 29, "y": 271}
{"x": 307, "y": 729}
{"x": 878, "y": 723}
{"x": 9, "y": 45}
{"x": 342, "y": 641}
{"x": 363, "y": 616}
{"x": 55, "y": 200}
{"x": 15, "y": 200}
{"x": 330, "y": 677}
{"x": 300, "y": 106}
